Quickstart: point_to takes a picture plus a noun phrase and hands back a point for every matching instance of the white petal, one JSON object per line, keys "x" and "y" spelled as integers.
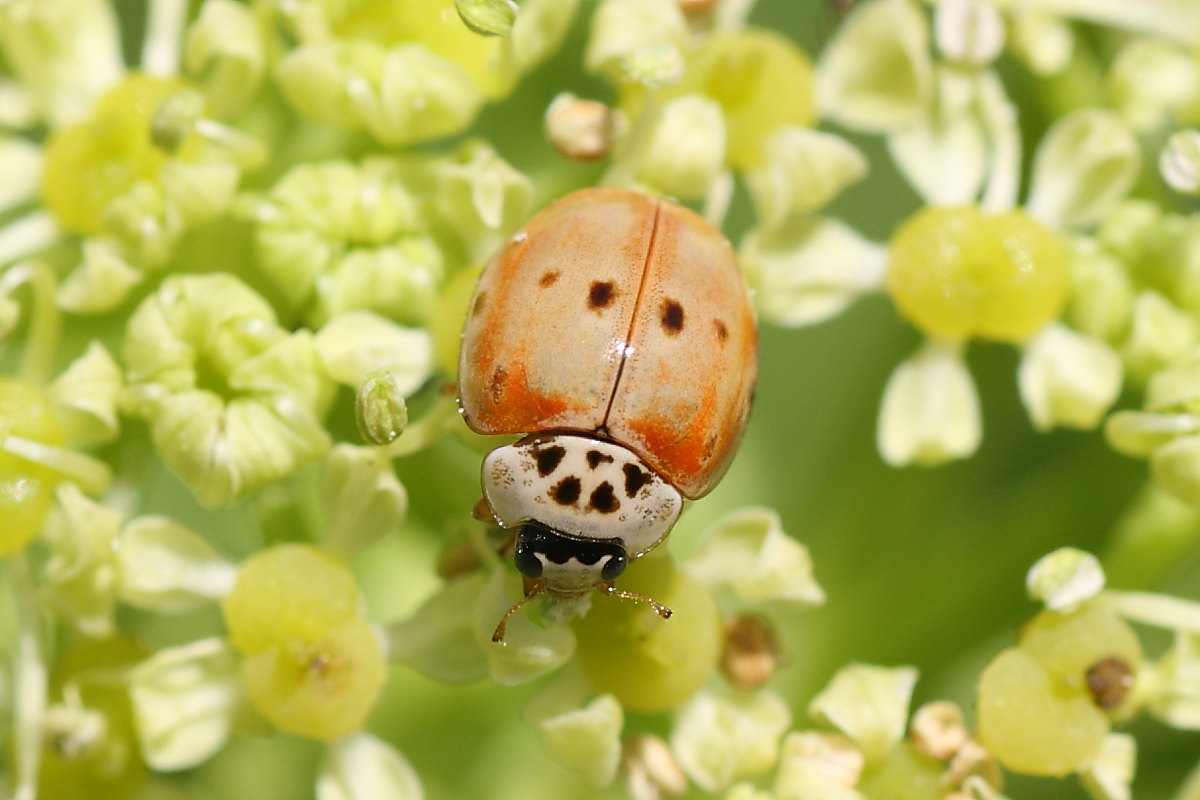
{"x": 1087, "y": 162}
{"x": 1068, "y": 379}
{"x": 869, "y": 704}
{"x": 722, "y": 737}
{"x": 930, "y": 412}
{"x": 167, "y": 567}
{"x": 362, "y": 767}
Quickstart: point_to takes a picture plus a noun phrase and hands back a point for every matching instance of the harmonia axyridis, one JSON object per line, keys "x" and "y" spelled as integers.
{"x": 617, "y": 333}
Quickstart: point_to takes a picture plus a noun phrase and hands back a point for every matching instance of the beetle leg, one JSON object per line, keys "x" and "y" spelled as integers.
{"x": 612, "y": 591}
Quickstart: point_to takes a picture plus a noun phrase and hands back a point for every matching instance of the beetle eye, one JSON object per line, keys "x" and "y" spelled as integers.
{"x": 615, "y": 566}
{"x": 527, "y": 562}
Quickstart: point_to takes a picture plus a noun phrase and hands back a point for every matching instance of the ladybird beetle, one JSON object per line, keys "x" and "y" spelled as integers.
{"x": 615, "y": 332}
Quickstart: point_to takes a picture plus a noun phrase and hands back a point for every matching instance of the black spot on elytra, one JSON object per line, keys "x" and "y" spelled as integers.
{"x": 672, "y": 317}
{"x": 499, "y": 378}
{"x": 635, "y": 479}
{"x": 601, "y": 295}
{"x": 477, "y": 306}
{"x": 603, "y": 499}
{"x": 722, "y": 331}
{"x": 566, "y": 491}
{"x": 548, "y": 459}
{"x": 548, "y": 279}
{"x": 595, "y": 458}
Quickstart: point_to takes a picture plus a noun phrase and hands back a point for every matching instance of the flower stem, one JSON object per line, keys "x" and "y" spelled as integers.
{"x": 92, "y": 475}
{"x": 41, "y": 343}
{"x": 425, "y": 431}
{"x": 29, "y": 673}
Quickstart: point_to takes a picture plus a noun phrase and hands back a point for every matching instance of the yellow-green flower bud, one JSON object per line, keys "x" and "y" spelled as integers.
{"x": 1175, "y": 693}
{"x": 102, "y": 280}
{"x": 21, "y": 164}
{"x": 439, "y": 639}
{"x": 530, "y": 650}
{"x": 482, "y": 197}
{"x": 26, "y": 486}
{"x": 402, "y": 95}
{"x": 1101, "y": 296}
{"x": 1159, "y": 334}
{"x": 1042, "y": 39}
{"x": 233, "y": 401}
{"x": 487, "y": 17}
{"x": 1108, "y": 774}
{"x": 969, "y": 32}
{"x": 379, "y": 408}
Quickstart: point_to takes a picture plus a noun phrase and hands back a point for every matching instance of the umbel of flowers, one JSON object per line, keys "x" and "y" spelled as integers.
{"x": 237, "y": 242}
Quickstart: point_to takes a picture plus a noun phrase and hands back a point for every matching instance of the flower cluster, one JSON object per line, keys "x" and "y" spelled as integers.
{"x": 238, "y": 239}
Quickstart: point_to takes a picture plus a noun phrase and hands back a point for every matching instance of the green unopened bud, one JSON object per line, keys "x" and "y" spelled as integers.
{"x": 1065, "y": 579}
{"x": 362, "y": 767}
{"x": 487, "y": 17}
{"x": 175, "y": 119}
{"x": 721, "y": 737}
{"x": 1087, "y": 162}
{"x": 1179, "y": 162}
{"x": 686, "y": 148}
{"x": 1101, "y": 296}
{"x": 1176, "y": 467}
{"x": 379, "y": 408}
{"x": 540, "y": 29}
{"x": 869, "y": 704}
{"x": 1068, "y": 379}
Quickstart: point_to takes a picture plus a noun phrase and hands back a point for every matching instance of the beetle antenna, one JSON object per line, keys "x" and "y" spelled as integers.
{"x": 530, "y": 593}
{"x": 612, "y": 591}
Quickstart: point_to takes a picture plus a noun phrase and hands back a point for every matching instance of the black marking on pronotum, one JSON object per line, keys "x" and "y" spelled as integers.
{"x": 548, "y": 459}
{"x": 603, "y": 499}
{"x": 566, "y": 491}
{"x": 534, "y": 537}
{"x": 635, "y": 479}
{"x": 595, "y": 458}
{"x": 672, "y": 317}
{"x": 600, "y": 295}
